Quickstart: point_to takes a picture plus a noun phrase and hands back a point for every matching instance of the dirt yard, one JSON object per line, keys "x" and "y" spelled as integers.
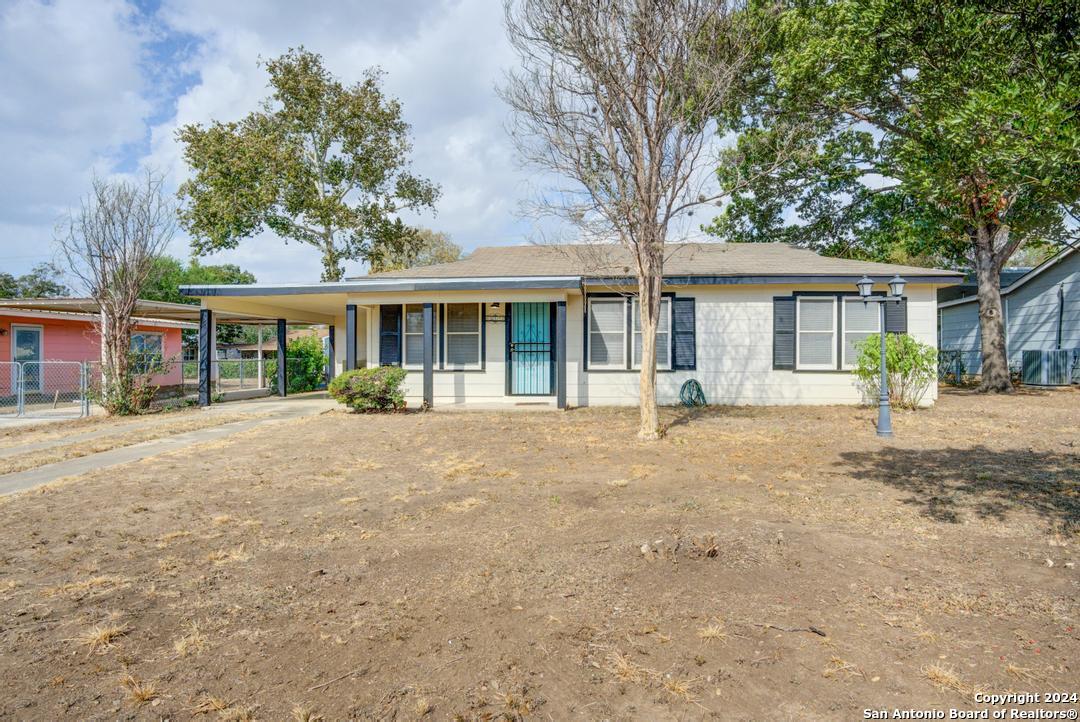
{"x": 766, "y": 563}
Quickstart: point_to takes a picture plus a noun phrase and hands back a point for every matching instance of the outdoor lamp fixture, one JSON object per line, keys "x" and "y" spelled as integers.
{"x": 896, "y": 291}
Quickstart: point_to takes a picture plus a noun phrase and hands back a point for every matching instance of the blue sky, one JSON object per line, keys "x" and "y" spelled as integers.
{"x": 102, "y": 85}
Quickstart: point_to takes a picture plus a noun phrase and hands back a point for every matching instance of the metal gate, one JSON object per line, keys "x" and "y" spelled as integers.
{"x": 9, "y": 388}
{"x": 44, "y": 389}
{"x": 531, "y": 369}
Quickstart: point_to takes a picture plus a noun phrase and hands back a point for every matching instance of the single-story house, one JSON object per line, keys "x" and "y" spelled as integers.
{"x": 36, "y": 332}
{"x": 557, "y": 325}
{"x": 1041, "y": 308}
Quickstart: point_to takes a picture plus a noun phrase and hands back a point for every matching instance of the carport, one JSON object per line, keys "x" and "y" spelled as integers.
{"x": 277, "y": 307}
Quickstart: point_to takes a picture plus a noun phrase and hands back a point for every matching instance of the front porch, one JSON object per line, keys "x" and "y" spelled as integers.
{"x": 461, "y": 349}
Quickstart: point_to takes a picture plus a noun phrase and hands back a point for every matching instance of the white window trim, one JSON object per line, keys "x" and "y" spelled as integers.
{"x": 799, "y": 365}
{"x": 405, "y": 334}
{"x": 40, "y": 328}
{"x": 479, "y": 333}
{"x": 670, "y": 332}
{"x": 622, "y": 332}
{"x": 846, "y": 364}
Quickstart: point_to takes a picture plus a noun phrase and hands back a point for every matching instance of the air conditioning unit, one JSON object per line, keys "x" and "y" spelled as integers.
{"x": 1048, "y": 368}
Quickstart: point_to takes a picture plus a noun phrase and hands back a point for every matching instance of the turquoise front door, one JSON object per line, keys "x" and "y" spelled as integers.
{"x": 530, "y": 349}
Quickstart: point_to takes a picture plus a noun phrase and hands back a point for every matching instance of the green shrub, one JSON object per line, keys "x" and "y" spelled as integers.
{"x": 911, "y": 367}
{"x": 305, "y": 366}
{"x": 375, "y": 389}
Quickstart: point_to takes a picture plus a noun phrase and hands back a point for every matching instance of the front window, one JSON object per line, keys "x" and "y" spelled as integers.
{"x": 414, "y": 335}
{"x": 816, "y": 325}
{"x": 607, "y": 334}
{"x": 147, "y": 350}
{"x": 462, "y": 334}
{"x": 861, "y": 320}
{"x": 663, "y": 335}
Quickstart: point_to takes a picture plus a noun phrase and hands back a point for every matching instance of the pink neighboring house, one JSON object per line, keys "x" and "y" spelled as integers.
{"x": 37, "y": 335}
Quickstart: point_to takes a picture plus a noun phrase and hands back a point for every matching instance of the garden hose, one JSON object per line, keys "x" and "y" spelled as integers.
{"x": 691, "y": 394}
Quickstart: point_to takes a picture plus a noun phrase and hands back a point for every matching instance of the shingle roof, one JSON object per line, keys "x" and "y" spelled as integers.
{"x": 681, "y": 259}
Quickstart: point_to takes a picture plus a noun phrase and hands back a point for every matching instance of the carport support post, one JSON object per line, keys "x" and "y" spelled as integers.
{"x": 331, "y": 354}
{"x": 350, "y": 336}
{"x": 429, "y": 356}
{"x": 282, "y": 344}
{"x": 560, "y": 354}
{"x": 206, "y": 345}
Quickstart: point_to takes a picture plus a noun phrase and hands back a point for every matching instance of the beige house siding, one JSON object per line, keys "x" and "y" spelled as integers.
{"x": 734, "y": 339}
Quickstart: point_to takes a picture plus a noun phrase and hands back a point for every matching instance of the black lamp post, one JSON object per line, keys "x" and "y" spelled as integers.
{"x": 896, "y": 291}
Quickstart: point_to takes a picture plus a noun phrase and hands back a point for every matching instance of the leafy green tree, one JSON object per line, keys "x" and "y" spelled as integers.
{"x": 320, "y": 163}
{"x": 944, "y": 131}
{"x": 170, "y": 273}
{"x": 43, "y": 281}
{"x": 429, "y": 247}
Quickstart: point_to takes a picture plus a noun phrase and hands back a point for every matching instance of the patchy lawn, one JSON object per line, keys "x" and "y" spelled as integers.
{"x": 758, "y": 563}
{"x": 75, "y": 439}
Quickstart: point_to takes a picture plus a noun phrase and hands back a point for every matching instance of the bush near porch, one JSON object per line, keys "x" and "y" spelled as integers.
{"x": 305, "y": 366}
{"x": 375, "y": 389}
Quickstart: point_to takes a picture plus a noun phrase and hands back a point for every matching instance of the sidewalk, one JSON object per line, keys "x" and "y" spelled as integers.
{"x": 263, "y": 411}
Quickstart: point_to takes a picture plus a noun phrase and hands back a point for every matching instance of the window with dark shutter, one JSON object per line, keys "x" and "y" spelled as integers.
{"x": 784, "y": 332}
{"x": 390, "y": 335}
{"x": 896, "y": 317}
{"x": 685, "y": 335}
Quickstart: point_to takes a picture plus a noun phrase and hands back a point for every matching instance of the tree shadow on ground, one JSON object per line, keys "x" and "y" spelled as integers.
{"x": 949, "y": 483}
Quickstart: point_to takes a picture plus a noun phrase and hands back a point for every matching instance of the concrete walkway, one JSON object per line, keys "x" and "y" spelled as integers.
{"x": 262, "y": 411}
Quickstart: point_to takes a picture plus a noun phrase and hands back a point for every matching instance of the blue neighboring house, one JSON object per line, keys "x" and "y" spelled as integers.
{"x": 1041, "y": 307}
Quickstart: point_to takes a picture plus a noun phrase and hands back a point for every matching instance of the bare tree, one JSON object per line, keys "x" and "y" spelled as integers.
{"x": 110, "y": 243}
{"x": 617, "y": 97}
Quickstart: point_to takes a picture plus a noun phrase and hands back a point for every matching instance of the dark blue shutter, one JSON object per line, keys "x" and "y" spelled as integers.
{"x": 783, "y": 332}
{"x": 390, "y": 335}
{"x": 896, "y": 316}
{"x": 685, "y": 337}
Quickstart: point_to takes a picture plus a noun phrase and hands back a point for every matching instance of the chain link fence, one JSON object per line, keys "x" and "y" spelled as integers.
{"x": 9, "y": 388}
{"x": 229, "y": 375}
{"x": 44, "y": 389}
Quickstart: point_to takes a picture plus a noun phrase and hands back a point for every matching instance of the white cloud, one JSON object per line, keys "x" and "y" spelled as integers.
{"x": 73, "y": 98}
{"x": 92, "y": 86}
{"x": 442, "y": 60}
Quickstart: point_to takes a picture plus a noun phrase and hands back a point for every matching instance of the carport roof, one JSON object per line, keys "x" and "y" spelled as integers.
{"x": 144, "y": 309}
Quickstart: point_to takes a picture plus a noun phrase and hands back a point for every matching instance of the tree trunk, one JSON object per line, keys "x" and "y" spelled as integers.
{"x": 995, "y": 361}
{"x": 649, "y": 283}
{"x": 331, "y": 258}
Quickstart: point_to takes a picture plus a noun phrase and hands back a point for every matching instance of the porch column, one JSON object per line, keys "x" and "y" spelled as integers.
{"x": 429, "y": 357}
{"x": 330, "y": 355}
{"x": 350, "y": 336}
{"x": 560, "y": 354}
{"x": 206, "y": 354}
{"x": 282, "y": 343}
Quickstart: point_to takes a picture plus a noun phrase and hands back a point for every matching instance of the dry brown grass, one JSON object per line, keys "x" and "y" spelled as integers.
{"x": 225, "y": 556}
{"x": 81, "y": 588}
{"x": 306, "y": 714}
{"x": 626, "y": 670}
{"x": 838, "y": 666}
{"x": 713, "y": 632}
{"x": 464, "y": 504}
{"x": 681, "y": 688}
{"x": 67, "y": 452}
{"x": 946, "y": 678}
{"x": 209, "y": 704}
{"x": 191, "y": 643}
{"x": 101, "y": 637}
{"x": 139, "y": 692}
